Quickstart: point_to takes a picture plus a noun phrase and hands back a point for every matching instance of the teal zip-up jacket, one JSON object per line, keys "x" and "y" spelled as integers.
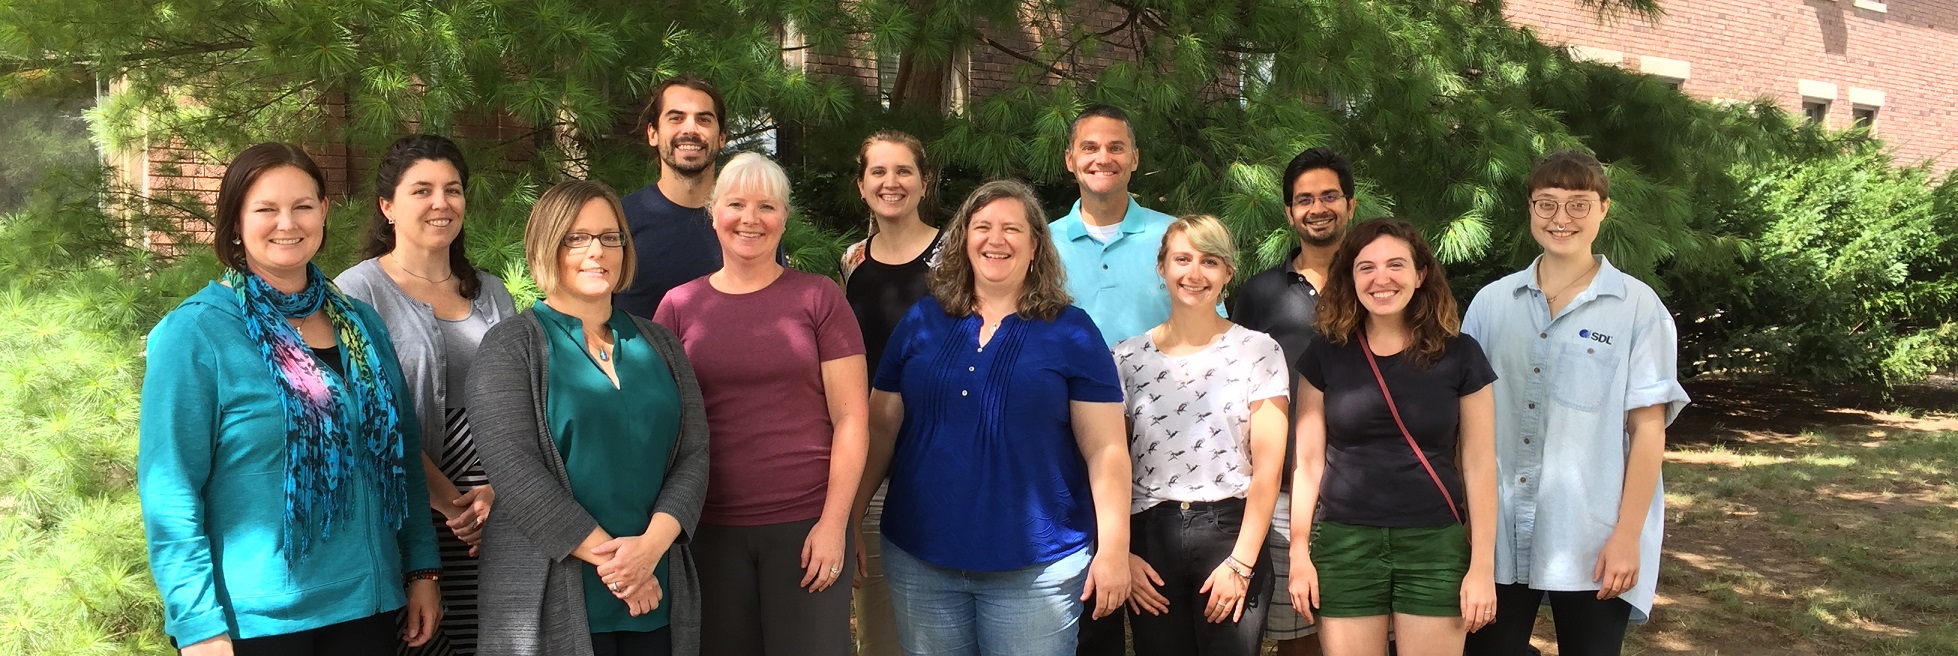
{"x": 211, "y": 474}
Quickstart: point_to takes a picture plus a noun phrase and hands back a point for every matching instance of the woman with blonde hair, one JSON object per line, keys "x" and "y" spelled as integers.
{"x": 1206, "y": 402}
{"x": 781, "y": 367}
{"x": 591, "y": 424}
{"x": 998, "y": 417}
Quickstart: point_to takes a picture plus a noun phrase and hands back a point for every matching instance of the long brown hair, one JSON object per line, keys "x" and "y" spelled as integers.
{"x": 404, "y": 154}
{"x": 952, "y": 280}
{"x": 1431, "y": 315}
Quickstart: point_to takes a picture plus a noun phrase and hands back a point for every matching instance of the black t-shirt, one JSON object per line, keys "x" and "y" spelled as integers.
{"x": 674, "y": 244}
{"x": 1372, "y": 477}
{"x": 881, "y": 294}
{"x": 1281, "y": 303}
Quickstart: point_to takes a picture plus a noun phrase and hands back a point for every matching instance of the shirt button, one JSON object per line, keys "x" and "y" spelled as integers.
{"x": 1526, "y": 440}
{"x": 1533, "y": 406}
{"x": 1104, "y": 267}
{"x": 971, "y": 368}
{"x": 1543, "y": 335}
{"x": 1522, "y": 479}
{"x": 982, "y": 349}
{"x": 1590, "y": 350}
{"x": 962, "y": 392}
{"x": 1536, "y": 370}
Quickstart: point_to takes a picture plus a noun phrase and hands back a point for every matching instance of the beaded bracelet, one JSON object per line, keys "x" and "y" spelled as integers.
{"x": 417, "y": 575}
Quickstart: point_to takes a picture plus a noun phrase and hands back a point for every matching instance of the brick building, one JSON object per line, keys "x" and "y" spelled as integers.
{"x": 1840, "y": 62}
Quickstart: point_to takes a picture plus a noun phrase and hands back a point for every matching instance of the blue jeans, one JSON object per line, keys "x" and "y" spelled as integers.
{"x": 1031, "y": 611}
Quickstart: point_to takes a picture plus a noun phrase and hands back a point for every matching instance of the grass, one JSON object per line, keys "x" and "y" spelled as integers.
{"x": 1838, "y": 540}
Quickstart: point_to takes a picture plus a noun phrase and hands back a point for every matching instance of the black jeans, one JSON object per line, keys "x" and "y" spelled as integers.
{"x": 1585, "y": 625}
{"x": 633, "y": 643}
{"x": 751, "y": 603}
{"x": 1184, "y": 543}
{"x": 368, "y": 636}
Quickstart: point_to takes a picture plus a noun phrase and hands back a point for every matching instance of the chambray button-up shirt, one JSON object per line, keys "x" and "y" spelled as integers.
{"x": 1564, "y": 387}
{"x": 1116, "y": 282}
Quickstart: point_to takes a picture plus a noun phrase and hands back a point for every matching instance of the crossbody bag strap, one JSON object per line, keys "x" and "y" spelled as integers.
{"x": 1368, "y": 350}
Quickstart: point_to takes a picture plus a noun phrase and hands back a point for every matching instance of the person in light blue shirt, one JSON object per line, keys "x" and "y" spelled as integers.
{"x": 1108, "y": 242}
{"x": 1586, "y": 358}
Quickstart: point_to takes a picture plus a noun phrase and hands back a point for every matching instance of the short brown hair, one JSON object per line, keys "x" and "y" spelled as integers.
{"x": 1573, "y": 171}
{"x": 239, "y": 177}
{"x": 952, "y": 281}
{"x": 551, "y": 219}
{"x": 657, "y": 97}
{"x": 1431, "y": 315}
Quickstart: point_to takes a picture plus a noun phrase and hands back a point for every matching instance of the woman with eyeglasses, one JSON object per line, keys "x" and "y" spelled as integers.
{"x": 781, "y": 366}
{"x": 1587, "y": 358}
{"x": 591, "y": 424}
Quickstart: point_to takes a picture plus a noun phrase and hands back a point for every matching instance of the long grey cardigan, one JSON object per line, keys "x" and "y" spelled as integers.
{"x": 531, "y": 590}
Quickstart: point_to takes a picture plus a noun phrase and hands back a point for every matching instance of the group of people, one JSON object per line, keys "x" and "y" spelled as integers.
{"x": 1007, "y": 435}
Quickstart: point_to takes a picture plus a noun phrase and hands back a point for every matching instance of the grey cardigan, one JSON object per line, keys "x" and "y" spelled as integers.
{"x": 531, "y": 590}
{"x": 418, "y": 340}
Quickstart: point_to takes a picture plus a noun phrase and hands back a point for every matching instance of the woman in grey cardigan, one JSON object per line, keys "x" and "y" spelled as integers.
{"x": 437, "y": 307}
{"x": 591, "y": 425}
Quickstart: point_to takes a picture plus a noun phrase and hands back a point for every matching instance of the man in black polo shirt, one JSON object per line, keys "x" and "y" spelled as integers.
{"x": 1283, "y": 302}
{"x": 672, "y": 231}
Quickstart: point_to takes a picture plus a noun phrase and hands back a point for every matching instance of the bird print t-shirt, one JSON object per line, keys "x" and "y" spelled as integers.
{"x": 1190, "y": 415}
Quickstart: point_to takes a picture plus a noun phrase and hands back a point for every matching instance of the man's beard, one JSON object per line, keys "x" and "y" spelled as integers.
{"x": 667, "y": 157}
{"x": 1338, "y": 233}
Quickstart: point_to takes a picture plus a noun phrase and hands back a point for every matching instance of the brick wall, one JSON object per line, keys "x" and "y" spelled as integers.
{"x": 178, "y": 177}
{"x": 1743, "y": 49}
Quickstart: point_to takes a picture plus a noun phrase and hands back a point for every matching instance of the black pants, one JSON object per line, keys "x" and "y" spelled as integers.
{"x": 1184, "y": 543}
{"x": 1105, "y": 636}
{"x": 633, "y": 643}
{"x": 1585, "y": 625}
{"x": 369, "y": 636}
{"x": 751, "y": 602}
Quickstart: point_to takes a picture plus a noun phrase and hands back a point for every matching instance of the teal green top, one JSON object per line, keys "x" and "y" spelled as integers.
{"x": 210, "y": 471}
{"x": 601, "y": 432}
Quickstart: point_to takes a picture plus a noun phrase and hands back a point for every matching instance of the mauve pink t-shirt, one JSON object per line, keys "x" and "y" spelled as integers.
{"x": 759, "y": 360}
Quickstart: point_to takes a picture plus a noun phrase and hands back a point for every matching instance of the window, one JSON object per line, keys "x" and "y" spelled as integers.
{"x": 1817, "y": 111}
{"x": 1862, "y": 118}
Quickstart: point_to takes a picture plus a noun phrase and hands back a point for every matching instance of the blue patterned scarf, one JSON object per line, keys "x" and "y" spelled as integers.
{"x": 326, "y": 443}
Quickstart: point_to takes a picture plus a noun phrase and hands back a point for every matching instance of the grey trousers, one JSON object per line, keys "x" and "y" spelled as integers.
{"x": 751, "y": 603}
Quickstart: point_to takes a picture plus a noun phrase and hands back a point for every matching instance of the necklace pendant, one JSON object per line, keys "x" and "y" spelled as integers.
{"x": 604, "y": 356}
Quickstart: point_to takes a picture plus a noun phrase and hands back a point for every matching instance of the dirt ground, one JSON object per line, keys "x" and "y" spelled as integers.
{"x": 1742, "y": 576}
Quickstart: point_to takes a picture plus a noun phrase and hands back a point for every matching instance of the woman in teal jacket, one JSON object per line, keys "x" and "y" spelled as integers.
{"x": 279, "y": 459}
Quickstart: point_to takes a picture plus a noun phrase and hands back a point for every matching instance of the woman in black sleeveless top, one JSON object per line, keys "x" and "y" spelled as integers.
{"x": 883, "y": 276}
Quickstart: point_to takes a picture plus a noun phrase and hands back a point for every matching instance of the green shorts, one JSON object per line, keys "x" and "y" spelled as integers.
{"x": 1366, "y": 571}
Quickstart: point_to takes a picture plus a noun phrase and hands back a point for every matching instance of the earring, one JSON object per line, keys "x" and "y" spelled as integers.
{"x": 390, "y": 221}
{"x": 235, "y": 241}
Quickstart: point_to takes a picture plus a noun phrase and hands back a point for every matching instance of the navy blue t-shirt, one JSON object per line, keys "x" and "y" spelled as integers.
{"x": 675, "y": 244}
{"x": 987, "y": 475}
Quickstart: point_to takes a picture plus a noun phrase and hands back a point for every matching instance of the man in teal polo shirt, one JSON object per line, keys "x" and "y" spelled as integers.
{"x": 1108, "y": 242}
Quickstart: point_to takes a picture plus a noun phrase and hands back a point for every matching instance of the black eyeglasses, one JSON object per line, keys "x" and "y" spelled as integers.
{"x": 1545, "y": 208}
{"x": 1329, "y": 198}
{"x": 578, "y": 241}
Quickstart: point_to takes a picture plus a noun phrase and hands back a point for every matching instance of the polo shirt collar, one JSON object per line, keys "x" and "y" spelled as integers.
{"x": 1073, "y": 227}
{"x": 1609, "y": 281}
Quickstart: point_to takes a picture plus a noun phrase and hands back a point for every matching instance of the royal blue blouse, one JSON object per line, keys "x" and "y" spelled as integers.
{"x": 987, "y": 475}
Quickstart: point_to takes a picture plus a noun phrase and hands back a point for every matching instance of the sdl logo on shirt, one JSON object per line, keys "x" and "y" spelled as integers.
{"x": 1594, "y": 336}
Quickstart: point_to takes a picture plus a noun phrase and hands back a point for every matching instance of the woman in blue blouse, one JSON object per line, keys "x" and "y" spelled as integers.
{"x": 279, "y": 465}
{"x": 591, "y": 425}
{"x": 997, "y": 414}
